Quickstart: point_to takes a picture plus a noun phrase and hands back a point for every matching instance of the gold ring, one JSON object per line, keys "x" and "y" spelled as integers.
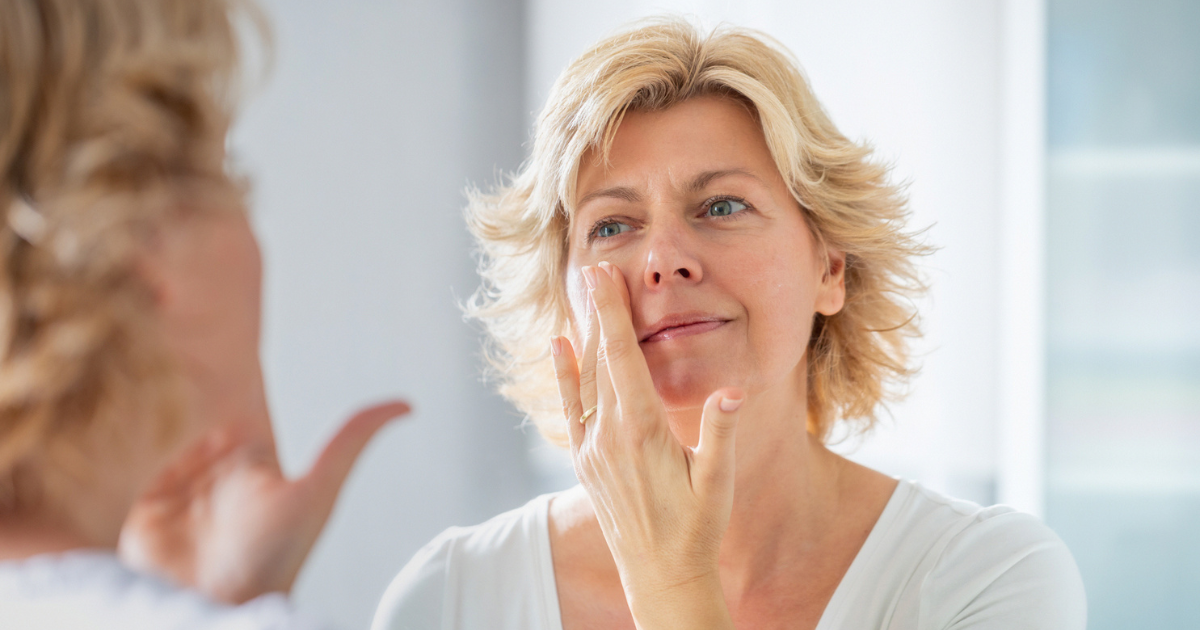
{"x": 587, "y": 414}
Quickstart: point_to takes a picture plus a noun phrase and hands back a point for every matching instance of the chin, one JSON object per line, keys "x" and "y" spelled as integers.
{"x": 682, "y": 388}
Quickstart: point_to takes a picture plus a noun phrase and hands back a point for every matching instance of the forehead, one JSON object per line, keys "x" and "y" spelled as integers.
{"x": 669, "y": 146}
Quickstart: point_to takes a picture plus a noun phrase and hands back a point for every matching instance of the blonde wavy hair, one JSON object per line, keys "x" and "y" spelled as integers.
{"x": 847, "y": 200}
{"x": 113, "y": 116}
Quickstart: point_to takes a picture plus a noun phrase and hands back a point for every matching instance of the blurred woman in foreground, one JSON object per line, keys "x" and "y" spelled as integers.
{"x": 132, "y": 410}
{"x": 694, "y": 251}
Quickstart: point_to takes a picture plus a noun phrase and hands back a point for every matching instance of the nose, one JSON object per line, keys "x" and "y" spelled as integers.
{"x": 670, "y": 258}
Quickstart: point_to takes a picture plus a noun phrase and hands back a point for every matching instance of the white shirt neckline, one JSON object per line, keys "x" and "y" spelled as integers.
{"x": 829, "y": 617}
{"x": 929, "y": 563}
{"x": 545, "y": 563}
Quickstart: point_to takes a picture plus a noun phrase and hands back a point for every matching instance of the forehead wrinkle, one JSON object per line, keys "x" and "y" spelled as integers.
{"x": 624, "y": 193}
{"x": 704, "y": 179}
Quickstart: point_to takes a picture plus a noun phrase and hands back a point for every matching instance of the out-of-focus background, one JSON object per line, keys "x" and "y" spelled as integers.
{"x": 1052, "y": 149}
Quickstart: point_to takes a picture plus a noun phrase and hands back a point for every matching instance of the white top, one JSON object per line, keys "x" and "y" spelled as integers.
{"x": 92, "y": 590}
{"x": 929, "y": 563}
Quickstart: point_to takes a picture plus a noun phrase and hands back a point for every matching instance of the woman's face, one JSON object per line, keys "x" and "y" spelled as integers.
{"x": 724, "y": 276}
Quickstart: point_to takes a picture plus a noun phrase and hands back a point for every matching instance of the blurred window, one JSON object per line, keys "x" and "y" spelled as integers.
{"x": 1123, "y": 434}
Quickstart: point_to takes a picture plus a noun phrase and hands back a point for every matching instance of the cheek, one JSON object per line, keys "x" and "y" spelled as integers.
{"x": 779, "y": 295}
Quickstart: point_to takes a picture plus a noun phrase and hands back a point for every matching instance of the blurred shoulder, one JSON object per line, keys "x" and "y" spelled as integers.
{"x": 465, "y": 575}
{"x": 93, "y": 590}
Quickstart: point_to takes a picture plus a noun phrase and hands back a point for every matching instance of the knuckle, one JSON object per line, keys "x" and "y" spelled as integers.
{"x": 714, "y": 477}
{"x": 616, "y": 348}
{"x": 603, "y": 444}
{"x": 720, "y": 428}
{"x": 644, "y": 409}
{"x": 562, "y": 370}
{"x": 569, "y": 406}
{"x": 601, "y": 298}
{"x": 631, "y": 437}
{"x": 561, "y": 374}
{"x": 638, "y": 444}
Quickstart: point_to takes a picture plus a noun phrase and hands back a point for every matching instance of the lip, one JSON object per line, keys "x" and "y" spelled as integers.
{"x": 681, "y": 325}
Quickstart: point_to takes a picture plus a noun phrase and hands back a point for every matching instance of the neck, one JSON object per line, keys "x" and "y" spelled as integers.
{"x": 89, "y": 508}
{"x": 81, "y": 513}
{"x": 786, "y": 495}
{"x": 787, "y": 485}
{"x": 228, "y": 397}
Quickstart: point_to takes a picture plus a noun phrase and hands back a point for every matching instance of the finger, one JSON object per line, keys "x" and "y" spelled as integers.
{"x": 566, "y": 371}
{"x": 606, "y": 396}
{"x": 194, "y": 462}
{"x": 626, "y": 364}
{"x": 332, "y": 467}
{"x": 606, "y": 393}
{"x": 715, "y": 453}
{"x": 591, "y": 343}
{"x": 619, "y": 277}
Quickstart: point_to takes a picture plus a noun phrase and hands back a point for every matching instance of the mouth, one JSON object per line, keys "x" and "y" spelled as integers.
{"x": 676, "y": 326}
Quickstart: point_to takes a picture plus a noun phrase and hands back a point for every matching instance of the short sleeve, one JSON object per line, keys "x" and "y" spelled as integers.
{"x": 1006, "y": 571}
{"x": 415, "y": 600}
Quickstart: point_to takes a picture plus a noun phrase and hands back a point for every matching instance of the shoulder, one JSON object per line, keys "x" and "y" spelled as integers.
{"x": 495, "y": 569}
{"x": 984, "y": 567}
{"x": 93, "y": 590}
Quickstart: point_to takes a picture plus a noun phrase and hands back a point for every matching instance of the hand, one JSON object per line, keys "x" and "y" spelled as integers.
{"x": 224, "y": 520}
{"x": 663, "y": 507}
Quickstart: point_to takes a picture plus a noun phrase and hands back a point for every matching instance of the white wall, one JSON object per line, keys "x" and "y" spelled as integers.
{"x": 376, "y": 117}
{"x": 921, "y": 81}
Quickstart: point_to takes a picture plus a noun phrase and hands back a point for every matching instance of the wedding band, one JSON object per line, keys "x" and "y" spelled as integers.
{"x": 587, "y": 414}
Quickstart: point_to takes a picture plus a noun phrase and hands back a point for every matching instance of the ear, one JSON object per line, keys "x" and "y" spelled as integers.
{"x": 159, "y": 264}
{"x": 151, "y": 267}
{"x": 831, "y": 294}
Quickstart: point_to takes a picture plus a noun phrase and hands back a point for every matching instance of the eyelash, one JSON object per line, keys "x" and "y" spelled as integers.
{"x": 606, "y": 221}
{"x": 591, "y": 235}
{"x": 712, "y": 200}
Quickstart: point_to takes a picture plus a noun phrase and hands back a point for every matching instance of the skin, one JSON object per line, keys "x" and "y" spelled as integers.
{"x": 716, "y": 507}
{"x": 213, "y": 510}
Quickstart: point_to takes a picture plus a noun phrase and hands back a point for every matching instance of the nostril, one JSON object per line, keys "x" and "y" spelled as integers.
{"x": 657, "y": 277}
{"x": 685, "y": 273}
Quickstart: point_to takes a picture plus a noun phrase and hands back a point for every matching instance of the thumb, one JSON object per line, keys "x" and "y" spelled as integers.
{"x": 714, "y": 454}
{"x": 333, "y": 465}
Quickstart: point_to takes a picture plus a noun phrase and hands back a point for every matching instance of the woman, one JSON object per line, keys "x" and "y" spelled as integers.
{"x": 132, "y": 409}
{"x": 711, "y": 257}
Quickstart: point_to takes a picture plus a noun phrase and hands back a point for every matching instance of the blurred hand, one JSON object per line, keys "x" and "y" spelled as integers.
{"x": 663, "y": 507}
{"x": 223, "y": 519}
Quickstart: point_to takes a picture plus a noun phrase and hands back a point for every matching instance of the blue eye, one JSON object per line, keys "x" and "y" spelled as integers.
{"x": 725, "y": 207}
{"x": 609, "y": 230}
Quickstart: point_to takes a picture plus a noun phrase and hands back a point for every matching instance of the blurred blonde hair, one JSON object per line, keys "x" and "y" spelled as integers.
{"x": 846, "y": 198}
{"x": 113, "y": 117}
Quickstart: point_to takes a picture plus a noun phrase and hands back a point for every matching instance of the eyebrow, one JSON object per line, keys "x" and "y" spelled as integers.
{"x": 624, "y": 193}
{"x": 704, "y": 179}
{"x": 698, "y": 183}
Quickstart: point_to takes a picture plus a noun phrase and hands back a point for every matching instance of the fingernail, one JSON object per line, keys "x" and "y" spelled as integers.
{"x": 607, "y": 267}
{"x": 589, "y": 276}
{"x": 729, "y": 405}
{"x": 555, "y": 346}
